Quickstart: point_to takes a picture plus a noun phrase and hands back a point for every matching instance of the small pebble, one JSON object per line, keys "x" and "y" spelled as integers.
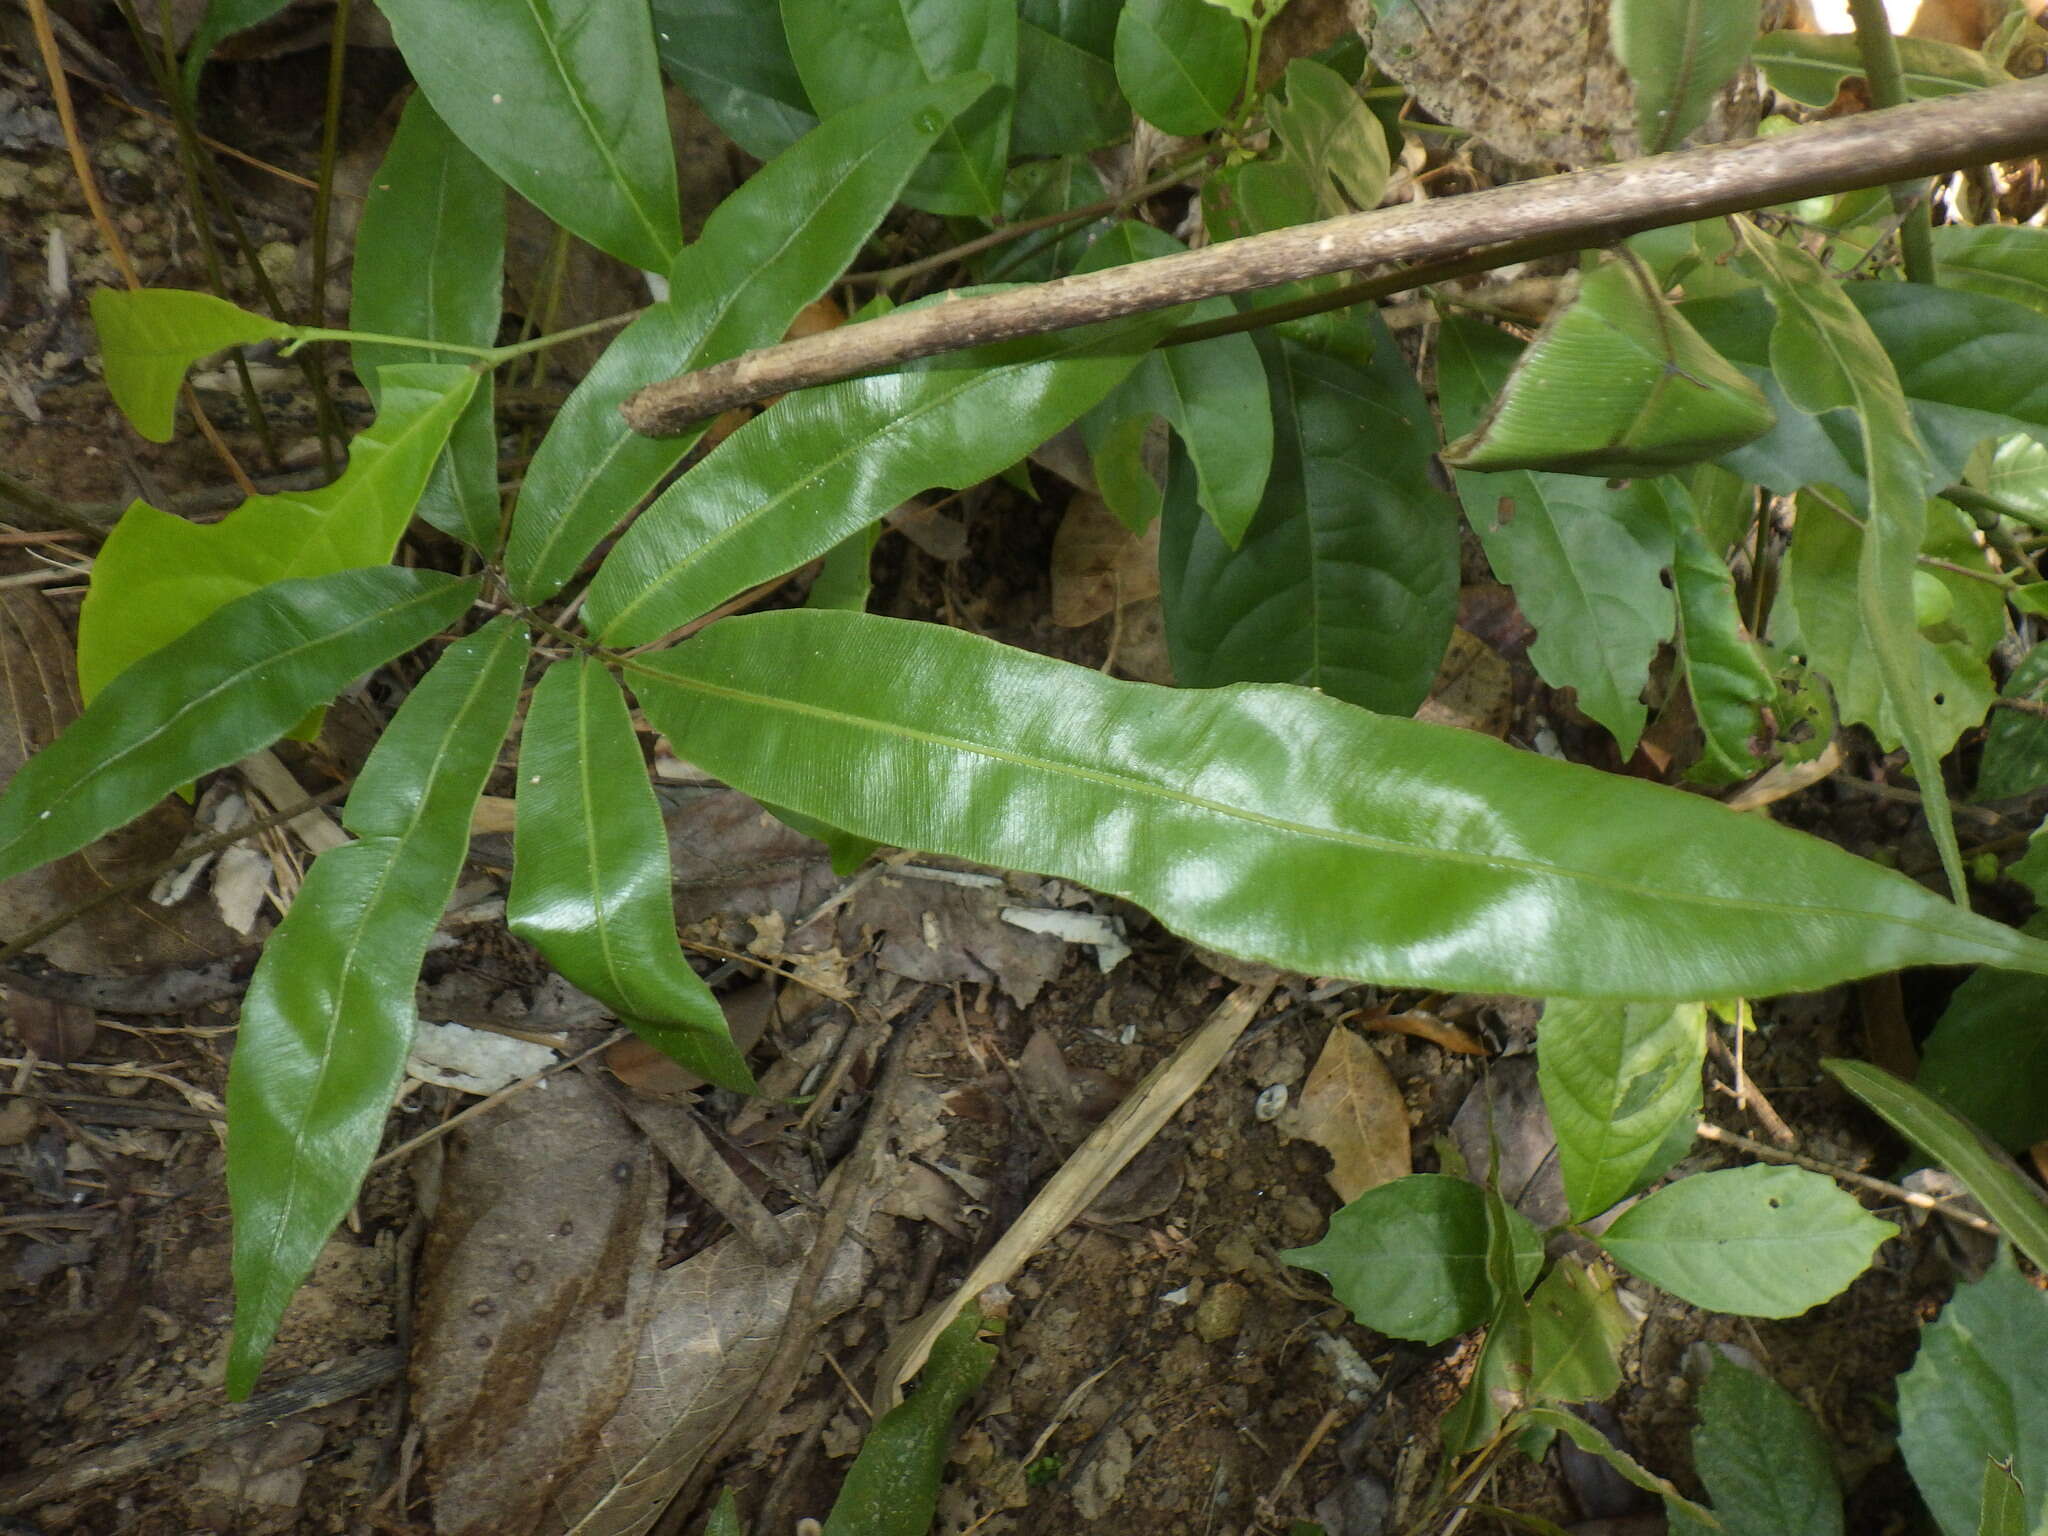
{"x": 1271, "y": 1101}
{"x": 1220, "y": 1313}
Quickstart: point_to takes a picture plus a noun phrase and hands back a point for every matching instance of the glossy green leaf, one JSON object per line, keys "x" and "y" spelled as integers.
{"x": 1766, "y": 1463}
{"x": 329, "y": 1014}
{"x": 234, "y": 683}
{"x": 1679, "y": 54}
{"x": 1759, "y": 1241}
{"x": 2004, "y": 1508}
{"x": 892, "y": 1489}
{"x": 1068, "y": 101}
{"x": 1615, "y": 384}
{"x": 150, "y": 336}
{"x": 1810, "y": 68}
{"x": 2008, "y": 1196}
{"x": 1823, "y": 573}
{"x": 1976, "y": 1392}
{"x": 1409, "y": 1258}
{"x": 732, "y": 56}
{"x": 2006, "y": 261}
{"x": 843, "y": 578}
{"x": 1280, "y": 825}
{"x": 1212, "y": 393}
{"x": 1987, "y": 1056}
{"x": 1590, "y": 1440}
{"x": 1619, "y": 1079}
{"x": 1347, "y": 579}
{"x": 1724, "y": 667}
{"x": 158, "y": 575}
{"x": 1180, "y": 63}
{"x": 1327, "y": 129}
{"x": 563, "y": 101}
{"x": 826, "y": 462}
{"x": 2015, "y": 760}
{"x": 1828, "y": 359}
{"x": 223, "y": 19}
{"x": 591, "y": 877}
{"x": 1586, "y": 559}
{"x": 849, "y": 51}
{"x": 768, "y": 250}
{"x": 1577, "y": 1329}
{"x": 430, "y": 262}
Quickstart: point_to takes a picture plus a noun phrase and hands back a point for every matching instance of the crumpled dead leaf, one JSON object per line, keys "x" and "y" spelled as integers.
{"x": 1099, "y": 565}
{"x": 1352, "y": 1108}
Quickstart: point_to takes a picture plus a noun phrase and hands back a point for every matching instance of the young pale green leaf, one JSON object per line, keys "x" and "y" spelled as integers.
{"x": 1180, "y": 63}
{"x": 236, "y": 682}
{"x": 725, "y": 1517}
{"x": 430, "y": 262}
{"x": 1724, "y": 667}
{"x": 329, "y": 1014}
{"x": 849, "y": 51}
{"x": 2004, "y": 1509}
{"x": 732, "y": 56}
{"x": 1828, "y": 359}
{"x": 1987, "y": 1058}
{"x": 1283, "y": 826}
{"x": 1615, "y": 384}
{"x": 1409, "y": 1258}
{"x": 1759, "y": 1241}
{"x": 2007, "y": 261}
{"x": 1576, "y": 1332}
{"x": 1586, "y": 559}
{"x": 1766, "y": 1463}
{"x": 1589, "y": 1439}
{"x": 223, "y": 19}
{"x": 1976, "y": 1393}
{"x": 1067, "y": 97}
{"x": 564, "y": 102}
{"x": 826, "y": 462}
{"x": 1328, "y": 130}
{"x": 150, "y": 336}
{"x": 1619, "y": 1079}
{"x": 1347, "y": 579}
{"x": 1500, "y": 1378}
{"x": 590, "y": 874}
{"x": 1810, "y": 68}
{"x": 1212, "y": 393}
{"x": 1680, "y": 54}
{"x": 2008, "y": 1197}
{"x": 159, "y": 575}
{"x": 892, "y": 1489}
{"x": 767, "y": 251}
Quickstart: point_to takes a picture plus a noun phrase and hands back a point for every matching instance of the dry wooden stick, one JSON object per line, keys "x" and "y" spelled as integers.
{"x": 1592, "y": 207}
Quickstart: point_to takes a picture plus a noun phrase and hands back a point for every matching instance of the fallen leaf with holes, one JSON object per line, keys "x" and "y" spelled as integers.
{"x": 1352, "y": 1108}
{"x": 1474, "y": 688}
{"x": 1099, "y": 565}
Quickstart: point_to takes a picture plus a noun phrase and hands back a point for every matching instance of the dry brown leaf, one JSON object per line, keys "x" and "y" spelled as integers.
{"x": 1098, "y": 564}
{"x": 1474, "y": 688}
{"x": 1427, "y": 1026}
{"x": 1352, "y": 1108}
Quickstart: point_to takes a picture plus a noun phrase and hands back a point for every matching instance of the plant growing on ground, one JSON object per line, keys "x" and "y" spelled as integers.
{"x": 1278, "y": 806}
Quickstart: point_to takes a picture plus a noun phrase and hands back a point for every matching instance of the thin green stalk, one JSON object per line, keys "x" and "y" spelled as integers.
{"x": 1880, "y": 54}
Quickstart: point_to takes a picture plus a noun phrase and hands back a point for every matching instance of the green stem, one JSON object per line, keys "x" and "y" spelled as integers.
{"x": 1880, "y": 54}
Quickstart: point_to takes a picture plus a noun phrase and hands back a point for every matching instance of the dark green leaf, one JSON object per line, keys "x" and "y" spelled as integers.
{"x": 150, "y": 336}
{"x": 1500, "y": 1377}
{"x": 1067, "y": 96}
{"x": 732, "y": 56}
{"x": 329, "y": 1014}
{"x": 591, "y": 878}
{"x": 767, "y": 251}
{"x": 843, "y": 579}
{"x": 1724, "y": 667}
{"x": 1766, "y": 1463}
{"x": 430, "y": 262}
{"x": 1590, "y": 1440}
{"x": 1757, "y": 1241}
{"x": 1810, "y": 68}
{"x": 2008, "y": 1196}
{"x": 1409, "y": 1258}
{"x": 1679, "y": 54}
{"x": 1180, "y": 63}
{"x": 1261, "y": 195}
{"x": 236, "y": 682}
{"x": 223, "y": 19}
{"x": 1976, "y": 1393}
{"x": 1347, "y": 579}
{"x": 1213, "y": 393}
{"x": 2007, "y": 261}
{"x": 826, "y": 462}
{"x": 1987, "y": 1058}
{"x": 158, "y": 574}
{"x": 1576, "y": 1332}
{"x": 892, "y": 1489}
{"x": 564, "y": 102}
{"x": 1618, "y": 1080}
{"x": 849, "y": 51}
{"x": 1033, "y": 190}
{"x": 1586, "y": 560}
{"x": 2015, "y": 758}
{"x": 1280, "y": 825}
{"x": 725, "y": 1517}
{"x": 1329, "y": 132}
